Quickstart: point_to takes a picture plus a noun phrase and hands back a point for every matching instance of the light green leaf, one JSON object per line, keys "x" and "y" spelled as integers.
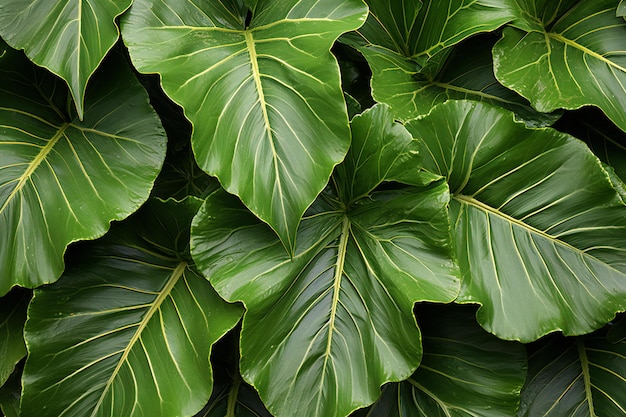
{"x": 265, "y": 100}
{"x": 578, "y": 377}
{"x": 62, "y": 179}
{"x": 12, "y": 318}
{"x": 68, "y": 37}
{"x": 567, "y": 60}
{"x": 540, "y": 232}
{"x": 621, "y": 9}
{"x": 128, "y": 329}
{"x": 464, "y": 372}
{"x": 334, "y": 322}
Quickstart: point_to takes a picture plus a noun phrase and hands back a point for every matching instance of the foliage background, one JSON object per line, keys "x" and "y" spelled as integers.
{"x": 320, "y": 208}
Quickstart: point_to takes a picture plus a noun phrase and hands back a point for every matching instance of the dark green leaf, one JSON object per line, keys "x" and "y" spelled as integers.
{"x": 236, "y": 399}
{"x": 464, "y": 372}
{"x": 12, "y": 318}
{"x": 128, "y": 329}
{"x": 577, "y": 377}
{"x": 62, "y": 179}
{"x": 334, "y": 322}
{"x": 617, "y": 331}
{"x": 10, "y": 394}
{"x": 265, "y": 100}
{"x": 68, "y": 37}
{"x": 540, "y": 231}
{"x": 566, "y": 58}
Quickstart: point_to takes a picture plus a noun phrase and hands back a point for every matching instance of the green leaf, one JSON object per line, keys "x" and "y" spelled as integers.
{"x": 12, "y": 318}
{"x": 567, "y": 61}
{"x": 62, "y": 179}
{"x": 540, "y": 231}
{"x": 617, "y": 331}
{"x": 265, "y": 100}
{"x": 466, "y": 74}
{"x": 621, "y": 9}
{"x": 68, "y": 37}
{"x": 338, "y": 314}
{"x": 128, "y": 329}
{"x": 464, "y": 372}
{"x": 236, "y": 399}
{"x": 10, "y": 394}
{"x": 578, "y": 377}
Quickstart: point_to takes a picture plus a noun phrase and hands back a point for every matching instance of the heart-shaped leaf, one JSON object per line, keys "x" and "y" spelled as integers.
{"x": 540, "y": 231}
{"x": 264, "y": 98}
{"x": 464, "y": 371}
{"x": 128, "y": 329}
{"x": 335, "y": 322}
{"x": 566, "y": 57}
{"x": 68, "y": 37}
{"x": 62, "y": 179}
{"x": 582, "y": 376}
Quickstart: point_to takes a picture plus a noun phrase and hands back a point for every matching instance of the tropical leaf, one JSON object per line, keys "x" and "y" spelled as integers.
{"x": 540, "y": 231}
{"x": 335, "y": 321}
{"x": 562, "y": 59}
{"x": 68, "y": 37}
{"x": 10, "y": 394}
{"x": 264, "y": 98}
{"x": 236, "y": 399}
{"x": 621, "y": 9}
{"x": 12, "y": 318}
{"x": 128, "y": 329}
{"x": 62, "y": 179}
{"x": 464, "y": 372}
{"x": 579, "y": 377}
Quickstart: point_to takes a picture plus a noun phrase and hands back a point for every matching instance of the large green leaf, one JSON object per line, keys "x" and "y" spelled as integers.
{"x": 265, "y": 99}
{"x": 12, "y": 318}
{"x": 566, "y": 58}
{"x": 335, "y": 322}
{"x": 464, "y": 372}
{"x": 128, "y": 329}
{"x": 62, "y": 179}
{"x": 540, "y": 232}
{"x": 10, "y": 394}
{"x": 68, "y": 37}
{"x": 577, "y": 377}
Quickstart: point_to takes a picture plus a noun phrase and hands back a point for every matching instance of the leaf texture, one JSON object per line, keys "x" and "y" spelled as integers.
{"x": 578, "y": 377}
{"x": 540, "y": 231}
{"x": 62, "y": 179}
{"x": 68, "y": 37}
{"x": 128, "y": 329}
{"x": 12, "y": 318}
{"x": 334, "y": 322}
{"x": 265, "y": 100}
{"x": 568, "y": 58}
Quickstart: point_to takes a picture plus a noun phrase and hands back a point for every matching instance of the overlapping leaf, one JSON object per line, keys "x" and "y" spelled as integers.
{"x": 12, "y": 318}
{"x": 540, "y": 232}
{"x": 578, "y": 377}
{"x": 10, "y": 394}
{"x": 464, "y": 372}
{"x": 69, "y": 37}
{"x": 128, "y": 329}
{"x": 62, "y": 179}
{"x": 399, "y": 40}
{"x": 335, "y": 322}
{"x": 234, "y": 400}
{"x": 569, "y": 58}
{"x": 265, "y": 99}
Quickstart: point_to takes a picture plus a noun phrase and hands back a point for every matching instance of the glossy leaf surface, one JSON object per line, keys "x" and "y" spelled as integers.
{"x": 12, "y": 318}
{"x": 62, "y": 179}
{"x": 578, "y": 377}
{"x": 127, "y": 331}
{"x": 568, "y": 58}
{"x": 464, "y": 372}
{"x": 540, "y": 231}
{"x": 265, "y": 100}
{"x": 335, "y": 322}
{"x": 68, "y": 37}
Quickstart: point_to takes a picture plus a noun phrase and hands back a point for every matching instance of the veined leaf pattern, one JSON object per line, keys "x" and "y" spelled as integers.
{"x": 339, "y": 313}
{"x": 567, "y": 60}
{"x": 540, "y": 231}
{"x": 12, "y": 318}
{"x": 579, "y": 377}
{"x": 265, "y": 100}
{"x": 127, "y": 331}
{"x": 68, "y": 37}
{"x": 62, "y": 179}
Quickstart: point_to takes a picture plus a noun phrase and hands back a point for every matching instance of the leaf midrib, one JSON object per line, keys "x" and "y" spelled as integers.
{"x": 41, "y": 156}
{"x": 584, "y": 49}
{"x": 167, "y": 289}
